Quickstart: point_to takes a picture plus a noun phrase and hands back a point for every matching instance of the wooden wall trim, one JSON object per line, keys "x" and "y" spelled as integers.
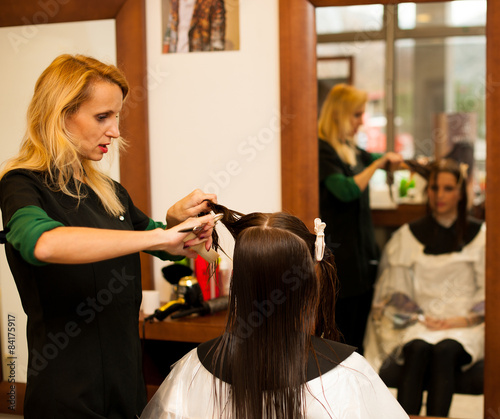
{"x": 492, "y": 344}
{"x": 134, "y": 161}
{"x": 38, "y": 12}
{"x": 299, "y": 155}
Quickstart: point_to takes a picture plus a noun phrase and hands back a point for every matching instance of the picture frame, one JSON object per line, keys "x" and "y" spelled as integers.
{"x": 213, "y": 26}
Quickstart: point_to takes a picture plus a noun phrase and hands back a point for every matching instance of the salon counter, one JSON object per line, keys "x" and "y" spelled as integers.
{"x": 186, "y": 329}
{"x": 396, "y": 217}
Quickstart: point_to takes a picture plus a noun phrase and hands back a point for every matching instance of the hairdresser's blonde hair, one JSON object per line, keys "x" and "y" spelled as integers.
{"x": 47, "y": 145}
{"x": 334, "y": 124}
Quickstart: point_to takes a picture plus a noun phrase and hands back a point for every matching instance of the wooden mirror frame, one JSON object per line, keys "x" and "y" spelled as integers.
{"x": 299, "y": 149}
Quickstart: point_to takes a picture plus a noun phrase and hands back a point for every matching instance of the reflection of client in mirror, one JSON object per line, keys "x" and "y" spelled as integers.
{"x": 428, "y": 311}
{"x": 196, "y": 25}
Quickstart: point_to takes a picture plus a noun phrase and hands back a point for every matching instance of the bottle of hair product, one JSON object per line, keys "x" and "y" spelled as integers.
{"x": 225, "y": 272}
{"x": 207, "y": 284}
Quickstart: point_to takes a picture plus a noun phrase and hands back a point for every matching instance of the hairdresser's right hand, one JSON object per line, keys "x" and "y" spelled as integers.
{"x": 172, "y": 239}
{"x": 390, "y": 158}
{"x": 189, "y": 206}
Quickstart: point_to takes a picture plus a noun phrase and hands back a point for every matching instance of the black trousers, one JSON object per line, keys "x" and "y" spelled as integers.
{"x": 351, "y": 315}
{"x": 434, "y": 367}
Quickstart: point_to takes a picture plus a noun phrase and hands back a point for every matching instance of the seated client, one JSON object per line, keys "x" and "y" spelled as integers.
{"x": 428, "y": 311}
{"x": 271, "y": 361}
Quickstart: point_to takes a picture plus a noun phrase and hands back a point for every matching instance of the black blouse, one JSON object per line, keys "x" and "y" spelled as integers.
{"x": 438, "y": 239}
{"x": 349, "y": 229}
{"x": 83, "y": 336}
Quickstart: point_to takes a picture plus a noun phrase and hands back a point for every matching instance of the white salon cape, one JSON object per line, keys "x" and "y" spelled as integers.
{"x": 352, "y": 390}
{"x": 444, "y": 285}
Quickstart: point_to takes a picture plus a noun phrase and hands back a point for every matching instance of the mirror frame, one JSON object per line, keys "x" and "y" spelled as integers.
{"x": 299, "y": 150}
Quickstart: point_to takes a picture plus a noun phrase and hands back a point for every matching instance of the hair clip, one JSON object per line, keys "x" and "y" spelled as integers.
{"x": 319, "y": 229}
{"x": 463, "y": 172}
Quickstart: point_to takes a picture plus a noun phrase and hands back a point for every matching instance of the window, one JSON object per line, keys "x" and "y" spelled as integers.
{"x": 424, "y": 67}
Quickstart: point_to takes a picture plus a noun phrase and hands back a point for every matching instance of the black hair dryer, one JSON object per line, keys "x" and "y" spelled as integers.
{"x": 189, "y": 289}
{"x": 188, "y": 292}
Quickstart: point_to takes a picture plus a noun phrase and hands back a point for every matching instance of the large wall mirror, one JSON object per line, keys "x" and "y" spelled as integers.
{"x": 298, "y": 49}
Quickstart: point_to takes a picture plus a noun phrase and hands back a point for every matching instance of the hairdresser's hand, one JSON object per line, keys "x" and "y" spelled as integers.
{"x": 173, "y": 239}
{"x": 189, "y": 206}
{"x": 433, "y": 323}
{"x": 390, "y": 158}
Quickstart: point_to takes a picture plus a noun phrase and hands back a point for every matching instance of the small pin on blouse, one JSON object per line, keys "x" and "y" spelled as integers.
{"x": 121, "y": 217}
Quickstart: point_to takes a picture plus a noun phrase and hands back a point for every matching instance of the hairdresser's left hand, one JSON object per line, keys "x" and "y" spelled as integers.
{"x": 189, "y": 206}
{"x": 394, "y": 160}
{"x": 173, "y": 240}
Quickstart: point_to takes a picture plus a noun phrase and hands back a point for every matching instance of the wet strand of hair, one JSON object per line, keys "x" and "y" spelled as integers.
{"x": 389, "y": 179}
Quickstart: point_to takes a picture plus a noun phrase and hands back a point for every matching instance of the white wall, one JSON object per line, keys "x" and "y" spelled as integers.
{"x": 214, "y": 118}
{"x": 26, "y": 52}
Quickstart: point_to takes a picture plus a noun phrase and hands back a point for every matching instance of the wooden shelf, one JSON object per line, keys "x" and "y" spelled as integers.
{"x": 187, "y": 329}
{"x": 396, "y": 217}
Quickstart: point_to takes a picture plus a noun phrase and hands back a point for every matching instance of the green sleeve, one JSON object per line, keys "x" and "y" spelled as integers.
{"x": 375, "y": 156}
{"x": 25, "y": 228}
{"x": 343, "y": 187}
{"x": 159, "y": 253}
{"x": 155, "y": 224}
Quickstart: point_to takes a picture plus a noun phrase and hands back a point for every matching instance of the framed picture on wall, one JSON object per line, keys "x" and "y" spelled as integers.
{"x": 200, "y": 25}
{"x": 331, "y": 71}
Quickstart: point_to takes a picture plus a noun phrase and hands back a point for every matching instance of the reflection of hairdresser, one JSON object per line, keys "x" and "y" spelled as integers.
{"x": 268, "y": 363}
{"x": 196, "y": 25}
{"x": 428, "y": 308}
{"x": 73, "y": 243}
{"x": 344, "y": 173}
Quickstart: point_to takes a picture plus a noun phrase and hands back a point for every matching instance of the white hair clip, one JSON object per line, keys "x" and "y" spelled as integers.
{"x": 319, "y": 229}
{"x": 464, "y": 167}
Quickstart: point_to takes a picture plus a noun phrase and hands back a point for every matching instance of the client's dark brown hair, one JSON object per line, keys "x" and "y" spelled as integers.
{"x": 279, "y": 298}
{"x": 236, "y": 222}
